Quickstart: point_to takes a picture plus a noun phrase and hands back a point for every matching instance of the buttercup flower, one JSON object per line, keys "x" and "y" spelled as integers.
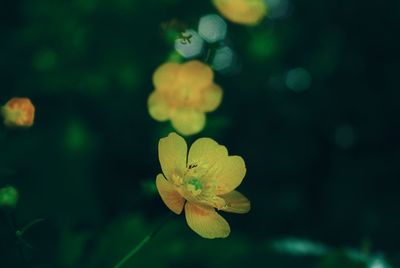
{"x": 18, "y": 112}
{"x": 184, "y": 93}
{"x": 201, "y": 181}
{"x": 248, "y": 12}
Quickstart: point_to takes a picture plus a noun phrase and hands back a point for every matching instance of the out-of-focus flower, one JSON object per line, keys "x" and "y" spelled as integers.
{"x": 248, "y": 12}
{"x": 189, "y": 44}
{"x": 183, "y": 94}
{"x": 18, "y": 112}
{"x": 8, "y": 197}
{"x": 212, "y": 28}
{"x": 201, "y": 181}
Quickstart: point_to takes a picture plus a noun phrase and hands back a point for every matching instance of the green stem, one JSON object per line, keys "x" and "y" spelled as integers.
{"x": 142, "y": 243}
{"x": 11, "y": 222}
{"x": 28, "y": 226}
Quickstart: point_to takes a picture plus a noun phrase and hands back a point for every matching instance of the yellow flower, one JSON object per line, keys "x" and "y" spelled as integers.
{"x": 18, "y": 112}
{"x": 183, "y": 93}
{"x": 248, "y": 12}
{"x": 201, "y": 181}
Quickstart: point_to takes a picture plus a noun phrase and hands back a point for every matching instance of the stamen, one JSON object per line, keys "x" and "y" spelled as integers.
{"x": 192, "y": 166}
{"x": 194, "y": 186}
{"x": 177, "y": 180}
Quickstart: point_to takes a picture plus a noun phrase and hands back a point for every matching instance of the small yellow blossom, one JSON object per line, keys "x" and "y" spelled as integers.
{"x": 201, "y": 181}
{"x": 18, "y": 112}
{"x": 248, "y": 12}
{"x": 183, "y": 94}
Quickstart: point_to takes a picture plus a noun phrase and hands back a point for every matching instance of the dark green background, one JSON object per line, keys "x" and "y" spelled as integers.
{"x": 323, "y": 164}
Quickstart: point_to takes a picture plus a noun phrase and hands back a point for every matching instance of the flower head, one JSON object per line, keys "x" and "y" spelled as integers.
{"x": 201, "y": 181}
{"x": 248, "y": 12}
{"x": 183, "y": 93}
{"x": 18, "y": 112}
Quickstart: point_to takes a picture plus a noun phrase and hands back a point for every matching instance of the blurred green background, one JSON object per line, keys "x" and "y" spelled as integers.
{"x": 311, "y": 102}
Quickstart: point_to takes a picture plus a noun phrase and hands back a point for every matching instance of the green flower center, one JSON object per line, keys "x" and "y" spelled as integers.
{"x": 194, "y": 186}
{"x": 196, "y": 183}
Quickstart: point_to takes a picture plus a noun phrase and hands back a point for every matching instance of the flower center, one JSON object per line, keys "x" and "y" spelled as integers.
{"x": 194, "y": 186}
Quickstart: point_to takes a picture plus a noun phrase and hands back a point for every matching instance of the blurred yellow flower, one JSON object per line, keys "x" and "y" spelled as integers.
{"x": 201, "y": 181}
{"x": 18, "y": 112}
{"x": 183, "y": 93}
{"x": 248, "y": 12}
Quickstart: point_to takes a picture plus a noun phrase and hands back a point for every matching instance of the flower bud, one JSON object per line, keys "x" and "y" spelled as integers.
{"x": 18, "y": 112}
{"x": 8, "y": 197}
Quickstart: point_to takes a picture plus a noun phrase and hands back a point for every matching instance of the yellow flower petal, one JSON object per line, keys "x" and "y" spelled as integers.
{"x": 157, "y": 106}
{"x": 195, "y": 75}
{"x": 206, "y": 222}
{"x": 172, "y": 153}
{"x": 188, "y": 122}
{"x": 248, "y": 12}
{"x": 169, "y": 195}
{"x": 212, "y": 98}
{"x": 206, "y": 150}
{"x": 165, "y": 75}
{"x": 236, "y": 202}
{"x": 228, "y": 174}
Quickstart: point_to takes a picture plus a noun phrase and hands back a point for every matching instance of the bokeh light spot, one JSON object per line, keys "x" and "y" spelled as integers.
{"x": 378, "y": 262}
{"x": 298, "y": 79}
{"x": 212, "y": 28}
{"x": 278, "y": 8}
{"x": 299, "y": 247}
{"x": 263, "y": 45}
{"x": 8, "y": 197}
{"x": 128, "y": 77}
{"x": 223, "y": 59}
{"x": 76, "y": 137}
{"x": 45, "y": 60}
{"x": 345, "y": 136}
{"x": 148, "y": 187}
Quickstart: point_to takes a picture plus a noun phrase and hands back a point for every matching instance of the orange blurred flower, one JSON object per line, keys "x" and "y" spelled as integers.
{"x": 201, "y": 181}
{"x": 18, "y": 112}
{"x": 248, "y": 12}
{"x": 183, "y": 94}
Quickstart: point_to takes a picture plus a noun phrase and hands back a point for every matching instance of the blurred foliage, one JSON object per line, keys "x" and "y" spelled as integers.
{"x": 323, "y": 162}
{"x": 8, "y": 197}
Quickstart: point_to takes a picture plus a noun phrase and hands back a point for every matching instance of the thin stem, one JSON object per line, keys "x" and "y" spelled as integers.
{"x": 211, "y": 53}
{"x": 28, "y": 226}
{"x": 142, "y": 243}
{"x": 11, "y": 222}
